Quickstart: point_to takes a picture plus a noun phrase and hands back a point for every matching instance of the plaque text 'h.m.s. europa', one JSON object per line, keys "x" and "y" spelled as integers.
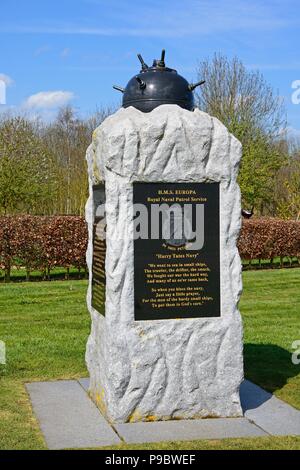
{"x": 176, "y": 250}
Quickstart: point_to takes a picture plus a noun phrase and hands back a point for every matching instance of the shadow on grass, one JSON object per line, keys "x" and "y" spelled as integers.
{"x": 268, "y": 365}
{"x": 54, "y": 276}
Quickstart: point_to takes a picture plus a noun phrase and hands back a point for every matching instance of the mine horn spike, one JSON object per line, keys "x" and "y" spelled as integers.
{"x": 161, "y": 62}
{"x": 144, "y": 66}
{"x": 140, "y": 82}
{"x": 192, "y": 86}
{"x": 119, "y": 88}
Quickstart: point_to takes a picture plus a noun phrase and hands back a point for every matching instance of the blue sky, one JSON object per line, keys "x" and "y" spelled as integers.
{"x": 54, "y": 52}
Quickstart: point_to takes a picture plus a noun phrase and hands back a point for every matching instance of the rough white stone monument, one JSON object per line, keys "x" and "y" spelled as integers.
{"x": 146, "y": 370}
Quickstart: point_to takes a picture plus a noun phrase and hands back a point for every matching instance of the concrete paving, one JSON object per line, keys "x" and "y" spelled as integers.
{"x": 271, "y": 414}
{"x": 69, "y": 419}
{"x": 188, "y": 430}
{"x": 67, "y": 416}
{"x": 85, "y": 383}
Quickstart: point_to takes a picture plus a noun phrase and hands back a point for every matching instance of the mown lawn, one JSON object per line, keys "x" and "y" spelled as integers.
{"x": 45, "y": 327}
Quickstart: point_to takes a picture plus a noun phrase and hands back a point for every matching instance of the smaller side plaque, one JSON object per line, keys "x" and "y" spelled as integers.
{"x": 99, "y": 250}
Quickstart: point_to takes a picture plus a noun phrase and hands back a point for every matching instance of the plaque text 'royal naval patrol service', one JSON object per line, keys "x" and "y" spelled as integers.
{"x": 176, "y": 250}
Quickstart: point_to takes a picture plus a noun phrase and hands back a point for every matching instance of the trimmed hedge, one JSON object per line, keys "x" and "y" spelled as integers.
{"x": 268, "y": 238}
{"x": 42, "y": 243}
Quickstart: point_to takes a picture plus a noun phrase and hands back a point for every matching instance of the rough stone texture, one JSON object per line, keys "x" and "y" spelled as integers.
{"x": 167, "y": 369}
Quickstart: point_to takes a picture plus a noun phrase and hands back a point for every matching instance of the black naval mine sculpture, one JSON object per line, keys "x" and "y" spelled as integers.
{"x": 158, "y": 85}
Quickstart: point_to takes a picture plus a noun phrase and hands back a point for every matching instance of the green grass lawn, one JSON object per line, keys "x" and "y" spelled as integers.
{"x": 45, "y": 327}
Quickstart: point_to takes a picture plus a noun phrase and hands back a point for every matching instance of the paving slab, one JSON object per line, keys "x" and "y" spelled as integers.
{"x": 85, "y": 383}
{"x": 69, "y": 419}
{"x": 188, "y": 430}
{"x": 268, "y": 412}
{"x": 67, "y": 416}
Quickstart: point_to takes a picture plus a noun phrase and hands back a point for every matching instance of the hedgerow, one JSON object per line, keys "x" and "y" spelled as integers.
{"x": 42, "y": 243}
{"x": 268, "y": 238}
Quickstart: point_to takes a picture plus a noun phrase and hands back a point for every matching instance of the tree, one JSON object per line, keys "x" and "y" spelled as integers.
{"x": 250, "y": 109}
{"x": 262, "y": 159}
{"x": 68, "y": 137}
{"x": 26, "y": 167}
{"x": 42, "y": 165}
{"x": 288, "y": 200}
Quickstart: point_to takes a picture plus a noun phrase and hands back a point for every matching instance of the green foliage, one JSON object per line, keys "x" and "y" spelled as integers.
{"x": 249, "y": 108}
{"x": 289, "y": 202}
{"x": 262, "y": 159}
{"x": 27, "y": 176}
{"x": 42, "y": 165}
{"x": 68, "y": 137}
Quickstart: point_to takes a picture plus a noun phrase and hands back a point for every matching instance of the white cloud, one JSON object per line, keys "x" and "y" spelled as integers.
{"x": 49, "y": 99}
{"x": 6, "y": 79}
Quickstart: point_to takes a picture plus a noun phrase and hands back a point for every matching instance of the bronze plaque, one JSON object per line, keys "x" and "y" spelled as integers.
{"x": 99, "y": 250}
{"x": 176, "y": 250}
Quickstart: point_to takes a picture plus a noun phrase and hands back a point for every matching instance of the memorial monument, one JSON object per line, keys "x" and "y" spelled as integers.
{"x": 164, "y": 215}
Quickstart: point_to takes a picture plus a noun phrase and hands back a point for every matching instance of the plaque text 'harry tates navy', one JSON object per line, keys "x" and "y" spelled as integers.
{"x": 176, "y": 250}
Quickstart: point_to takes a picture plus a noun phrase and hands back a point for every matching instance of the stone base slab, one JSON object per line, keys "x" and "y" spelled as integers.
{"x": 69, "y": 419}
